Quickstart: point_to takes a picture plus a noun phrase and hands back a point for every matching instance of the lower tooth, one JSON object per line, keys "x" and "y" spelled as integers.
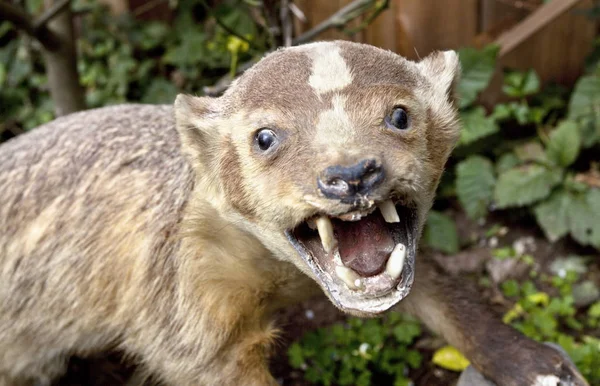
{"x": 396, "y": 261}
{"x": 348, "y": 276}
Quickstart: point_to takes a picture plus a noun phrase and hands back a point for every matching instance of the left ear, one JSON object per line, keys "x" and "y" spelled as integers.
{"x": 196, "y": 123}
{"x": 442, "y": 68}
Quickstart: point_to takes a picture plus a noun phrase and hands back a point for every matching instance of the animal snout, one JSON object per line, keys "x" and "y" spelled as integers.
{"x": 346, "y": 182}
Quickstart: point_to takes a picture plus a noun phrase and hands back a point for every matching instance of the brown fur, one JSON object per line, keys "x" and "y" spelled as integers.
{"x": 125, "y": 228}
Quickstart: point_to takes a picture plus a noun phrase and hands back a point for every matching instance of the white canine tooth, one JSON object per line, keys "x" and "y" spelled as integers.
{"x": 388, "y": 211}
{"x": 325, "y": 228}
{"x": 348, "y": 276}
{"x": 395, "y": 263}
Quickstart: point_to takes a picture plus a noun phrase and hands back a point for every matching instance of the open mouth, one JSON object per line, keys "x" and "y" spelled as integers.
{"x": 364, "y": 259}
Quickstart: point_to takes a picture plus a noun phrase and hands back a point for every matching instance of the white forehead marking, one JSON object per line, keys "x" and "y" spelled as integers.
{"x": 334, "y": 126}
{"x": 329, "y": 70}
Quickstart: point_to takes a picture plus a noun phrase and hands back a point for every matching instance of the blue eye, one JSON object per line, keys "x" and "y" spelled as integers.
{"x": 265, "y": 139}
{"x": 398, "y": 119}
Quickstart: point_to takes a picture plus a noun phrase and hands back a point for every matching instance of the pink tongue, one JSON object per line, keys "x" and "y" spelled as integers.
{"x": 364, "y": 245}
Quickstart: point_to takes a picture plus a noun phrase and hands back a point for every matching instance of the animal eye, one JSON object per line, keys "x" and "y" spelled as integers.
{"x": 398, "y": 119}
{"x": 265, "y": 139}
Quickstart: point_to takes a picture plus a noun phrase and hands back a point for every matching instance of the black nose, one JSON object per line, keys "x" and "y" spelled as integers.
{"x": 345, "y": 182}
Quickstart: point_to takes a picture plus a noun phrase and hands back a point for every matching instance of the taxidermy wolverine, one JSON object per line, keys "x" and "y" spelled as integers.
{"x": 174, "y": 233}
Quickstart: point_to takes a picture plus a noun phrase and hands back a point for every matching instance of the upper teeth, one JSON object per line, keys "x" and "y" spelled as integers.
{"x": 395, "y": 263}
{"x": 325, "y": 228}
{"x": 388, "y": 211}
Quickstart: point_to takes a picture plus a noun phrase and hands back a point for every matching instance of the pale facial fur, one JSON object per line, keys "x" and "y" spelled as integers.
{"x": 326, "y": 104}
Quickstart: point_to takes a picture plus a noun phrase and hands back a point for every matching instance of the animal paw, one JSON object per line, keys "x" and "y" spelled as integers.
{"x": 547, "y": 365}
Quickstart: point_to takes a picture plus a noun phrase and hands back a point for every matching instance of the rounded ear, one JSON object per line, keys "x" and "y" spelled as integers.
{"x": 443, "y": 69}
{"x": 196, "y": 122}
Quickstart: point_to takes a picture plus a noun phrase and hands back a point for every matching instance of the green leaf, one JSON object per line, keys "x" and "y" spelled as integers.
{"x": 502, "y": 111}
{"x": 585, "y": 218}
{"x": 475, "y": 185}
{"x": 564, "y": 144}
{"x": 450, "y": 358}
{"x": 507, "y": 161}
{"x": 585, "y": 293}
{"x": 160, "y": 91}
{"x": 510, "y": 288}
{"x": 584, "y": 107}
{"x": 525, "y": 185}
{"x": 531, "y": 151}
{"x": 190, "y": 51}
{"x": 594, "y": 311}
{"x": 521, "y": 84}
{"x": 553, "y": 215}
{"x": 5, "y": 26}
{"x": 475, "y": 125}
{"x": 477, "y": 69}
{"x": 406, "y": 333}
{"x": 295, "y": 355}
{"x": 440, "y": 233}
{"x": 2, "y": 74}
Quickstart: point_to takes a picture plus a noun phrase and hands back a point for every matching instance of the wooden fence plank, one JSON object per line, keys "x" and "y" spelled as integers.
{"x": 425, "y": 26}
{"x": 414, "y": 28}
{"x": 557, "y": 52}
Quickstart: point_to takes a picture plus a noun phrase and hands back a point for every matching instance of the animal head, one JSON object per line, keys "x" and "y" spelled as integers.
{"x": 330, "y": 154}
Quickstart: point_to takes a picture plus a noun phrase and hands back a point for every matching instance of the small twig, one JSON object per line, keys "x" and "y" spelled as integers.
{"x": 286, "y": 23}
{"x": 379, "y": 8}
{"x": 298, "y": 12}
{"x": 340, "y": 18}
{"x": 142, "y": 9}
{"x": 50, "y": 13}
{"x": 22, "y": 21}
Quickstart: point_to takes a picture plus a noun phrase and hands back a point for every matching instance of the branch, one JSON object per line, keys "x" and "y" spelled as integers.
{"x": 50, "y": 13}
{"x": 342, "y": 17}
{"x": 286, "y": 23}
{"x": 21, "y": 20}
{"x": 339, "y": 19}
{"x": 533, "y": 23}
{"x": 61, "y": 65}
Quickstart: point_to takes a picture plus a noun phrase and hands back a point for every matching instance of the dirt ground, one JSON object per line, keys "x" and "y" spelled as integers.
{"x": 472, "y": 262}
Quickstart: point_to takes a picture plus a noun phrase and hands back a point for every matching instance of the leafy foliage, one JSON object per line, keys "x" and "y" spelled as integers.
{"x": 526, "y": 153}
{"x": 359, "y": 352}
{"x": 544, "y": 318}
{"x": 122, "y": 59}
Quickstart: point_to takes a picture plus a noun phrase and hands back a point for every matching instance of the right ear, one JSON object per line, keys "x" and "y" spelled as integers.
{"x": 443, "y": 69}
{"x": 196, "y": 122}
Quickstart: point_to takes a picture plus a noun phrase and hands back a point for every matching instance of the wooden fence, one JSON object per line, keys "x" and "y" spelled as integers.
{"x": 414, "y": 28}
